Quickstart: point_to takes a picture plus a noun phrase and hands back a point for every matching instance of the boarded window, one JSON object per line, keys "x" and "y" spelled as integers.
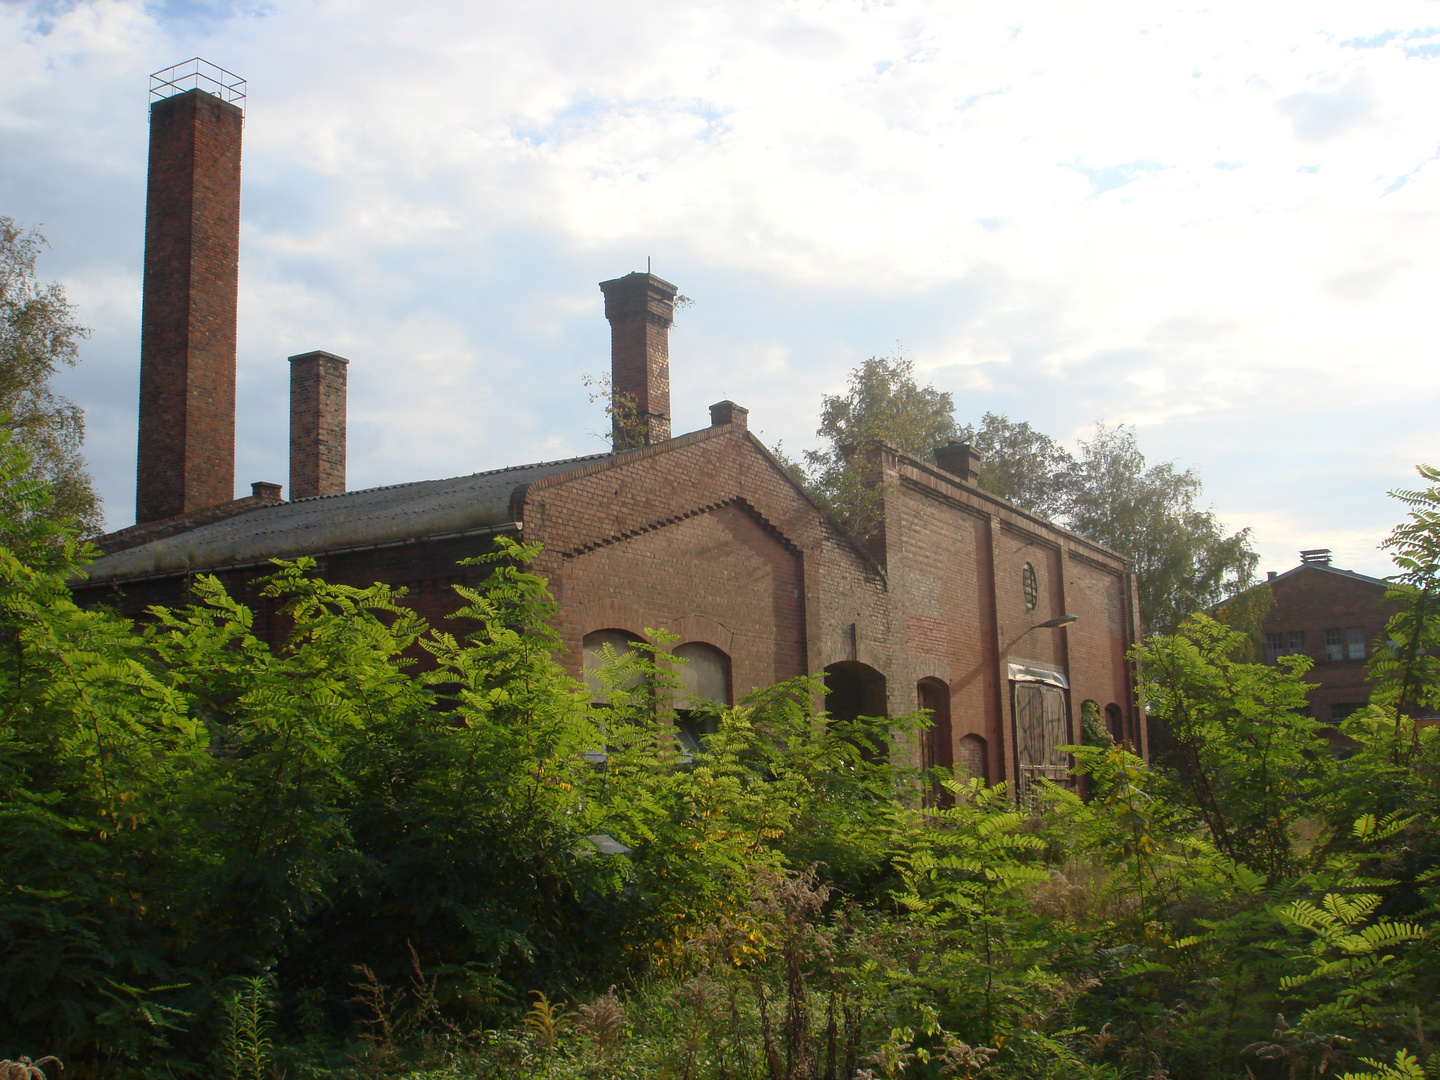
{"x": 1041, "y": 728}
{"x": 706, "y": 678}
{"x": 620, "y": 642}
{"x": 705, "y": 673}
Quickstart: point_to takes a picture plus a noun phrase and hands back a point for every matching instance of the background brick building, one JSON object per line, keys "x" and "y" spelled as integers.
{"x": 1337, "y": 618}
{"x": 999, "y": 622}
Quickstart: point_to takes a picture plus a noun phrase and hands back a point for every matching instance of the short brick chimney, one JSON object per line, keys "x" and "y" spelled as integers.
{"x": 959, "y": 460}
{"x": 727, "y": 412}
{"x": 187, "y": 323}
{"x": 641, "y": 308}
{"x": 317, "y": 424}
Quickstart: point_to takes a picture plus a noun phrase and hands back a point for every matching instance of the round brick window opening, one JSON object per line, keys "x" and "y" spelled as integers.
{"x": 1031, "y": 587}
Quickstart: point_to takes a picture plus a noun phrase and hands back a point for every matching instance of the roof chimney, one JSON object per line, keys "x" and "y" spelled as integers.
{"x": 1271, "y": 575}
{"x": 959, "y": 460}
{"x": 640, "y": 308}
{"x": 727, "y": 412}
{"x": 192, "y": 263}
{"x": 317, "y": 424}
{"x": 1320, "y": 556}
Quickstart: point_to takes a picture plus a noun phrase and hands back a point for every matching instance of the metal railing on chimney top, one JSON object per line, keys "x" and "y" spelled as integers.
{"x": 198, "y": 74}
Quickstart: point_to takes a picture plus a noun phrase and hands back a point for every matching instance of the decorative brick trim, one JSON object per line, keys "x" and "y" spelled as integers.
{"x": 744, "y": 504}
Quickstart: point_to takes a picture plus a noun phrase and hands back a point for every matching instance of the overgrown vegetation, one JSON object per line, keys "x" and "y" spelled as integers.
{"x": 326, "y": 859}
{"x": 39, "y": 335}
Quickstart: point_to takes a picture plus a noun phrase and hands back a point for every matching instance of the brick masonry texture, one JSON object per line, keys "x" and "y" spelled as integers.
{"x": 187, "y": 349}
{"x": 317, "y": 424}
{"x": 1315, "y": 599}
{"x": 641, "y": 309}
{"x": 705, "y": 536}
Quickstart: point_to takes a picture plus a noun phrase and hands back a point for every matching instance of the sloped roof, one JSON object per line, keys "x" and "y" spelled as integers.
{"x": 400, "y": 512}
{"x": 1328, "y": 569}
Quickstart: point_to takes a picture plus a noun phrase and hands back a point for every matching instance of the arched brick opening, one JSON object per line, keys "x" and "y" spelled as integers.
{"x": 974, "y": 758}
{"x": 937, "y": 751}
{"x": 621, "y": 643}
{"x": 705, "y": 676}
{"x": 1115, "y": 722}
{"x": 855, "y": 690}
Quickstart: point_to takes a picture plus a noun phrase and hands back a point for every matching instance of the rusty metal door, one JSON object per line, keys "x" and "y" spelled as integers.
{"x": 1041, "y": 727}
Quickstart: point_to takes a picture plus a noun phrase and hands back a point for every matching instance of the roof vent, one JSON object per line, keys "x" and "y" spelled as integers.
{"x": 1316, "y": 555}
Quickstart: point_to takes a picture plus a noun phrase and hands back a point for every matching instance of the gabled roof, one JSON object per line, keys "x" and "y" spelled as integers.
{"x": 329, "y": 523}
{"x": 1328, "y": 569}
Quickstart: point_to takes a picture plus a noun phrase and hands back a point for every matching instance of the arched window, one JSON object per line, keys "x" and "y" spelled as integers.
{"x": 855, "y": 690}
{"x": 974, "y": 758}
{"x": 621, "y": 643}
{"x": 1115, "y": 722}
{"x": 937, "y": 752}
{"x": 706, "y": 678}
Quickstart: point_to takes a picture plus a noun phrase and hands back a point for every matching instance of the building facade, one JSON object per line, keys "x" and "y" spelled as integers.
{"x": 1337, "y": 618}
{"x": 998, "y": 622}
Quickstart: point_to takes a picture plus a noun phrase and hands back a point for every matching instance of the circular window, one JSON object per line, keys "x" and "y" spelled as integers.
{"x": 1031, "y": 587}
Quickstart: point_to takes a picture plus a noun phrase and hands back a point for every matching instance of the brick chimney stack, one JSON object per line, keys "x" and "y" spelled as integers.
{"x": 959, "y": 460}
{"x": 187, "y": 335}
{"x": 317, "y": 424}
{"x": 640, "y": 308}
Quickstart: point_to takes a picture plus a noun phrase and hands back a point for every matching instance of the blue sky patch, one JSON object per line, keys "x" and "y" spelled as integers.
{"x": 1109, "y": 177}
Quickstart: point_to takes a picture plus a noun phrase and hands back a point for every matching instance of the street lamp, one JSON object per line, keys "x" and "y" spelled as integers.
{"x": 1059, "y": 620}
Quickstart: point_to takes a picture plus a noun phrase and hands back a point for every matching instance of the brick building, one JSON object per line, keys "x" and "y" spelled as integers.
{"x": 999, "y": 622}
{"x": 1337, "y": 618}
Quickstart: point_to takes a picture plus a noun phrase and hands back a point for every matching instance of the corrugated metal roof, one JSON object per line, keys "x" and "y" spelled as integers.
{"x": 335, "y": 522}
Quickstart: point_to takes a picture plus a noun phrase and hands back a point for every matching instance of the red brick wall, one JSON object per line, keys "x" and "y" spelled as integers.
{"x": 317, "y": 424}
{"x": 706, "y": 537}
{"x": 187, "y": 346}
{"x": 703, "y": 537}
{"x": 955, "y": 560}
{"x": 1314, "y": 600}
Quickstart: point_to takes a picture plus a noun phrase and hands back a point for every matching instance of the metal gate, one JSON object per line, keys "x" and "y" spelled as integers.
{"x": 1041, "y": 727}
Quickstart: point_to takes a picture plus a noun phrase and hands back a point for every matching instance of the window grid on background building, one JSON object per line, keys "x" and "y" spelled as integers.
{"x": 1334, "y": 644}
{"x": 1356, "y": 635}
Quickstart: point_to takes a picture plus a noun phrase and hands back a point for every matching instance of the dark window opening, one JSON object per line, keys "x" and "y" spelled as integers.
{"x": 1115, "y": 722}
{"x": 937, "y": 751}
{"x": 855, "y": 691}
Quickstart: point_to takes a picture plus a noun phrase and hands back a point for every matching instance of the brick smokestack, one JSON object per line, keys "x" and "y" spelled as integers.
{"x": 317, "y": 424}
{"x": 187, "y": 334}
{"x": 640, "y": 308}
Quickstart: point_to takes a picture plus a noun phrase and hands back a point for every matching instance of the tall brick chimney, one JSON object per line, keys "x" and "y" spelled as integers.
{"x": 187, "y": 326}
{"x": 640, "y": 308}
{"x": 317, "y": 424}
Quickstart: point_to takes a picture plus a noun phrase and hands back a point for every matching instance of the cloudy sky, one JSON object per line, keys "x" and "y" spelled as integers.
{"x": 1216, "y": 222}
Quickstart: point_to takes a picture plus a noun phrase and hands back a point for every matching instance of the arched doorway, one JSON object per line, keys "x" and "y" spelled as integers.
{"x": 937, "y": 751}
{"x": 853, "y": 691}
